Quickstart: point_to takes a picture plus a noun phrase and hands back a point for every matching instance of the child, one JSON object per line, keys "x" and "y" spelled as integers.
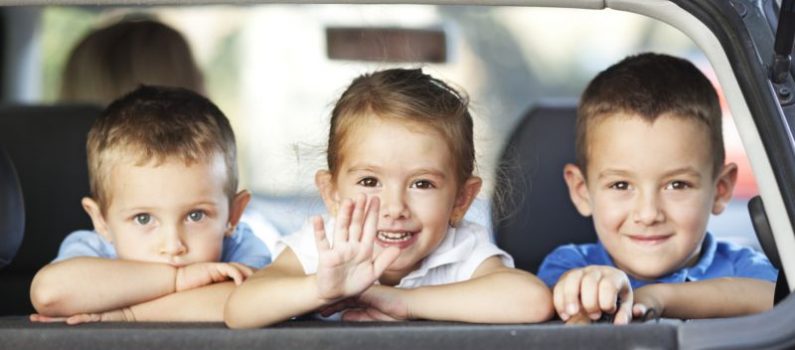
{"x": 400, "y": 145}
{"x": 650, "y": 169}
{"x": 165, "y": 207}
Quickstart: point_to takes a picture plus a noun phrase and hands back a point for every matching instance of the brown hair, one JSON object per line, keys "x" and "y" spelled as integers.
{"x": 153, "y": 124}
{"x": 650, "y": 85}
{"x": 411, "y": 95}
{"x": 113, "y": 60}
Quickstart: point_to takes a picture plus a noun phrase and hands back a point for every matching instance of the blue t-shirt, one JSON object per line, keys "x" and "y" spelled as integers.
{"x": 718, "y": 259}
{"x": 241, "y": 247}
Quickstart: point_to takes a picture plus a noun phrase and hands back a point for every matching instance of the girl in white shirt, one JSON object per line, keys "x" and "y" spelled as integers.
{"x": 400, "y": 179}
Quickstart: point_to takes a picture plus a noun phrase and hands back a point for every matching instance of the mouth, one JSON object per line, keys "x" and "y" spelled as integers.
{"x": 650, "y": 240}
{"x": 400, "y": 239}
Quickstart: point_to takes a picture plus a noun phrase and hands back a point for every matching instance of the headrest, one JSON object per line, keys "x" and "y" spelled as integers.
{"x": 12, "y": 210}
{"x": 47, "y": 144}
{"x": 532, "y": 211}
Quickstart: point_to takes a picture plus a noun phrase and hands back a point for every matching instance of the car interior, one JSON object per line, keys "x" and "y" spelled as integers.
{"x": 43, "y": 173}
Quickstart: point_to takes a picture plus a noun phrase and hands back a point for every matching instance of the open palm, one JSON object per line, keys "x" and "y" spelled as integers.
{"x": 348, "y": 266}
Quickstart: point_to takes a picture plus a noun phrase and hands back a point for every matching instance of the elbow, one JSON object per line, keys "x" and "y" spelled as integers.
{"x": 46, "y": 296}
{"x": 536, "y": 304}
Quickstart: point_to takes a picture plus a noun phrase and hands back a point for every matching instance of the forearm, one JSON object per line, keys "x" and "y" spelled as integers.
{"x": 721, "y": 297}
{"x": 269, "y": 297}
{"x": 203, "y": 304}
{"x": 509, "y": 296}
{"x": 92, "y": 285}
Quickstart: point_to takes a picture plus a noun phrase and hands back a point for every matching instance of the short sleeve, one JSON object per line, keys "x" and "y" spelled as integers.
{"x": 560, "y": 260}
{"x": 752, "y": 264}
{"x": 245, "y": 248}
{"x": 482, "y": 249}
{"x": 85, "y": 243}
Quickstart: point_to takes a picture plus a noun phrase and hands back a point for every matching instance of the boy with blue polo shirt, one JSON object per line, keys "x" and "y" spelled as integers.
{"x": 650, "y": 170}
{"x": 166, "y": 212}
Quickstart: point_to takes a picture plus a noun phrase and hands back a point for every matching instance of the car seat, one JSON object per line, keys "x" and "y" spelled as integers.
{"x": 12, "y": 210}
{"x": 765, "y": 234}
{"x": 47, "y": 146}
{"x": 532, "y": 212}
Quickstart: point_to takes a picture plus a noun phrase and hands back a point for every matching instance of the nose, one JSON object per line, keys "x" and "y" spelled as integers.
{"x": 647, "y": 209}
{"x": 393, "y": 204}
{"x": 172, "y": 243}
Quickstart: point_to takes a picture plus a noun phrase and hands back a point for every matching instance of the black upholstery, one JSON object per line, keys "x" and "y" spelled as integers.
{"x": 47, "y": 146}
{"x": 765, "y": 234}
{"x": 532, "y": 210}
{"x": 12, "y": 210}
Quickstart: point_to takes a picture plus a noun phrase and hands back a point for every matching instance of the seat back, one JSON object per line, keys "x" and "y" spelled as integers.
{"x": 12, "y": 210}
{"x": 532, "y": 211}
{"x": 47, "y": 146}
{"x": 765, "y": 234}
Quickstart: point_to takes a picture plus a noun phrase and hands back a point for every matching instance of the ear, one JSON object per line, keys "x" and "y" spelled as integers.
{"x": 325, "y": 185}
{"x": 237, "y": 208}
{"x": 95, "y": 213}
{"x": 464, "y": 198}
{"x": 724, "y": 188}
{"x": 578, "y": 189}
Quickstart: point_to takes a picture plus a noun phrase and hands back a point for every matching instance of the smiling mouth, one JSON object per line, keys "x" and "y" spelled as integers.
{"x": 649, "y": 240}
{"x": 394, "y": 237}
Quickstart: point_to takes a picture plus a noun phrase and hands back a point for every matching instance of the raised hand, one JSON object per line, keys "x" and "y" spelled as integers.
{"x": 201, "y": 274}
{"x": 348, "y": 266}
{"x": 592, "y": 291}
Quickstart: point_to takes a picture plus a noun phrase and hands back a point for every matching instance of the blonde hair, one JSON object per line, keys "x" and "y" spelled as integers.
{"x": 153, "y": 124}
{"x": 411, "y": 95}
{"x": 111, "y": 61}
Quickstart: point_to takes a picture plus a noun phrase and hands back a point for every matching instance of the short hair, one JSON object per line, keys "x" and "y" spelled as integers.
{"x": 649, "y": 85}
{"x": 410, "y": 95}
{"x": 111, "y": 61}
{"x": 155, "y": 124}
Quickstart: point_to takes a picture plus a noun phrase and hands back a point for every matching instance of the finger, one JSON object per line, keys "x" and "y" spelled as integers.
{"x": 578, "y": 319}
{"x": 83, "y": 318}
{"x": 590, "y": 294}
{"x": 626, "y": 297}
{"x": 571, "y": 292}
{"x": 377, "y": 315}
{"x": 371, "y": 224}
{"x": 343, "y": 221}
{"x": 384, "y": 259}
{"x": 356, "y": 315}
{"x": 232, "y": 273}
{"x": 245, "y": 270}
{"x": 320, "y": 233}
{"x": 639, "y": 310}
{"x": 47, "y": 319}
{"x": 357, "y": 219}
{"x": 608, "y": 296}
{"x": 557, "y": 299}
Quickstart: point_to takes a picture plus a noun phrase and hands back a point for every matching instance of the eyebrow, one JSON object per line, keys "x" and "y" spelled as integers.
{"x": 687, "y": 170}
{"x": 414, "y": 172}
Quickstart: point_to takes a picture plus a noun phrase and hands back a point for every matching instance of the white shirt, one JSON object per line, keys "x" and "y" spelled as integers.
{"x": 456, "y": 258}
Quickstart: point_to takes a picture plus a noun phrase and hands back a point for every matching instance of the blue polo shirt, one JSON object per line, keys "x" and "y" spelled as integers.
{"x": 718, "y": 259}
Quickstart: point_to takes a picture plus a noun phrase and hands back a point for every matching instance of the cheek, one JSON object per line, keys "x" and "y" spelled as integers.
{"x": 609, "y": 213}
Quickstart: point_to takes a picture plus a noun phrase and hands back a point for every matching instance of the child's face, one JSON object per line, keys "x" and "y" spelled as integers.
{"x": 168, "y": 213}
{"x": 410, "y": 168}
{"x": 650, "y": 189}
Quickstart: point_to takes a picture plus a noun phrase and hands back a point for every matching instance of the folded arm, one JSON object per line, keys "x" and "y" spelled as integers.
{"x": 720, "y": 297}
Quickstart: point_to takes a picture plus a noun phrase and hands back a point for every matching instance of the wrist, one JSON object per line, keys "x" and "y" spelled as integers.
{"x": 655, "y": 296}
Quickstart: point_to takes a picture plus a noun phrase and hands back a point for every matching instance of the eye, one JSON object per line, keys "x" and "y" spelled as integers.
{"x": 423, "y": 184}
{"x": 196, "y": 215}
{"x": 620, "y": 185}
{"x": 677, "y": 185}
{"x": 368, "y": 182}
{"x": 142, "y": 219}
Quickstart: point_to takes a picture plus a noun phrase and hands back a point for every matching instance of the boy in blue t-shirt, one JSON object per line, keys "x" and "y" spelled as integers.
{"x": 650, "y": 170}
{"x": 166, "y": 210}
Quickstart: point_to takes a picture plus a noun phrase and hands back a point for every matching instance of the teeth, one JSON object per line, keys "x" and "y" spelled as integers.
{"x": 393, "y": 236}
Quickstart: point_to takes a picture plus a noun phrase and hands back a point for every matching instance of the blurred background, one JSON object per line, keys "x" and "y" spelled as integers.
{"x": 276, "y": 71}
